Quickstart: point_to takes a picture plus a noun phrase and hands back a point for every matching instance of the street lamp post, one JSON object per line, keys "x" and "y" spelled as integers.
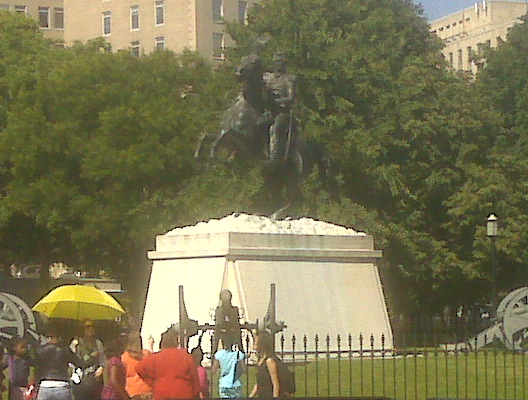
{"x": 492, "y": 231}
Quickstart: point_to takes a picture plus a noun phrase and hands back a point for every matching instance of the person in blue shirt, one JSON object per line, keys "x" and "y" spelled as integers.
{"x": 230, "y": 362}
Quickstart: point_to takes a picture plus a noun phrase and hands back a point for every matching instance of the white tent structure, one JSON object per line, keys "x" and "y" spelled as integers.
{"x": 327, "y": 281}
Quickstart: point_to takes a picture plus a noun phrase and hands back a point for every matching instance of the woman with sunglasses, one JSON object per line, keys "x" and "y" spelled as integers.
{"x": 52, "y": 361}
{"x": 91, "y": 351}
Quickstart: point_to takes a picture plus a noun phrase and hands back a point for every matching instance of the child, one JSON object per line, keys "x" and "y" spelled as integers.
{"x": 18, "y": 364}
{"x": 197, "y": 355}
{"x": 115, "y": 387}
{"x": 230, "y": 360}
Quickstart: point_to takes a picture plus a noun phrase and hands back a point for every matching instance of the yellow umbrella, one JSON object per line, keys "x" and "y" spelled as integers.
{"x": 78, "y": 302}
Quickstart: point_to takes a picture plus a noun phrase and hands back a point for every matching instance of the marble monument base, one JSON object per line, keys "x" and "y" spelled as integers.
{"x": 326, "y": 277}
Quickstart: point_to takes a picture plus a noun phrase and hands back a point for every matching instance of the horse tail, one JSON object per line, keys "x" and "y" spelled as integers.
{"x": 326, "y": 171}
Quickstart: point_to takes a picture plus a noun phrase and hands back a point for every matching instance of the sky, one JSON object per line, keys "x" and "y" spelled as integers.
{"x": 435, "y": 9}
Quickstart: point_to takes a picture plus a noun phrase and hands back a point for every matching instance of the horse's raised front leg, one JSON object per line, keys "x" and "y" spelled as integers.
{"x": 212, "y": 153}
{"x": 203, "y": 143}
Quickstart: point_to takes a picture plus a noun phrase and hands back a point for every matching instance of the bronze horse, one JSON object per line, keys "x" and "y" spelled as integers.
{"x": 244, "y": 135}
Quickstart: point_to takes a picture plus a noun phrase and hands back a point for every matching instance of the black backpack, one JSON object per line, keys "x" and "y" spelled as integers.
{"x": 286, "y": 378}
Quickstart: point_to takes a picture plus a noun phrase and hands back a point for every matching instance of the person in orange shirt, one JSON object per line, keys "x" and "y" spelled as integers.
{"x": 136, "y": 387}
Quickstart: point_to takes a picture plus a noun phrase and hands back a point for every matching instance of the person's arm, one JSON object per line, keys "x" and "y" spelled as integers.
{"x": 216, "y": 365}
{"x": 204, "y": 383}
{"x": 114, "y": 381}
{"x": 151, "y": 344}
{"x": 193, "y": 376}
{"x": 254, "y": 391}
{"x": 145, "y": 370}
{"x": 273, "y": 370}
{"x": 242, "y": 366}
{"x": 101, "y": 358}
{"x": 290, "y": 93}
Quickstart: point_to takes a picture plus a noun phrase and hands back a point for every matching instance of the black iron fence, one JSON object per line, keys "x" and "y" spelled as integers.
{"x": 365, "y": 366}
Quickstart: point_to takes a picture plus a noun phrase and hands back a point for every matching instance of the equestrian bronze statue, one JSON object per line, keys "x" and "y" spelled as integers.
{"x": 260, "y": 127}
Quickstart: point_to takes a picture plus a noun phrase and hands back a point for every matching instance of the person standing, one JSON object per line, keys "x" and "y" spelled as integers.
{"x": 18, "y": 364}
{"x": 227, "y": 321}
{"x": 268, "y": 382}
{"x": 230, "y": 361}
{"x": 136, "y": 387}
{"x": 52, "y": 361}
{"x": 197, "y": 355}
{"x": 115, "y": 386}
{"x": 90, "y": 350}
{"x": 171, "y": 372}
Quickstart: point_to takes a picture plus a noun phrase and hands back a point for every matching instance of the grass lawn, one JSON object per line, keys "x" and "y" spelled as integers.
{"x": 487, "y": 375}
{"x": 492, "y": 375}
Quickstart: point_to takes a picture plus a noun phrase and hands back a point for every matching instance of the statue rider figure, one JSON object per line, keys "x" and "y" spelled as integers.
{"x": 227, "y": 321}
{"x": 280, "y": 92}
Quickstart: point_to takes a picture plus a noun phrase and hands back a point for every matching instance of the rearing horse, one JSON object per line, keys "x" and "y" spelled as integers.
{"x": 245, "y": 135}
{"x": 242, "y": 130}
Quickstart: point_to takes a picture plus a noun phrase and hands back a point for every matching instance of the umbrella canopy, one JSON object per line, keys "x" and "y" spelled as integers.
{"x": 78, "y": 302}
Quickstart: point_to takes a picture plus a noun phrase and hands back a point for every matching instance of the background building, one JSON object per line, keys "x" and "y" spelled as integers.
{"x": 467, "y": 32}
{"x": 144, "y": 25}
{"x": 48, "y": 13}
{"x": 138, "y": 25}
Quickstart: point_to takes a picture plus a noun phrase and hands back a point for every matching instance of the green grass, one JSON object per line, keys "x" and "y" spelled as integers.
{"x": 487, "y": 375}
{"x": 492, "y": 375}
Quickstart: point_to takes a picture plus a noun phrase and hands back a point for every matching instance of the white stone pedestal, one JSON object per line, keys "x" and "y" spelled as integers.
{"x": 327, "y": 281}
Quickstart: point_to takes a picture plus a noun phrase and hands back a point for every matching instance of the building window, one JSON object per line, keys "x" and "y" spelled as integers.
{"x": 242, "y": 12}
{"x": 58, "y": 18}
{"x": 135, "y": 48}
{"x": 134, "y": 18}
{"x": 4, "y": 7}
{"x": 160, "y": 13}
{"x": 160, "y": 43}
{"x": 218, "y": 10}
{"x": 44, "y": 17}
{"x": 469, "y": 59}
{"x": 218, "y": 46}
{"x": 460, "y": 59}
{"x": 451, "y": 59}
{"x": 107, "y": 23}
{"x": 21, "y": 9}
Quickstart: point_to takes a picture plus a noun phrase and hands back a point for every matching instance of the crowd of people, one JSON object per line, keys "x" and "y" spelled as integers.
{"x": 85, "y": 369}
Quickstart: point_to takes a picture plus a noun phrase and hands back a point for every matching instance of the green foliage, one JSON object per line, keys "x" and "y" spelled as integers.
{"x": 402, "y": 129}
{"x": 94, "y": 151}
{"x": 96, "y": 147}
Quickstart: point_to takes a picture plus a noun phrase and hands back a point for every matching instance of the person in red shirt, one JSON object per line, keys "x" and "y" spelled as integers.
{"x": 171, "y": 373}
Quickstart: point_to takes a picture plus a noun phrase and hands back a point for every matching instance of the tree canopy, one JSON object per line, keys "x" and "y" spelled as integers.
{"x": 96, "y": 147}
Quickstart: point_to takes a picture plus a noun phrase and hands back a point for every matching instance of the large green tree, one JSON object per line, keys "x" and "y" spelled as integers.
{"x": 498, "y": 181}
{"x": 96, "y": 150}
{"x": 401, "y": 127}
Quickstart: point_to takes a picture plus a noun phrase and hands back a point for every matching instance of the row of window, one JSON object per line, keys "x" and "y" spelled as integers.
{"x": 218, "y": 11}
{"x": 135, "y": 47}
{"x": 134, "y": 18}
{"x": 470, "y": 55}
{"x": 218, "y": 15}
{"x": 44, "y": 15}
{"x": 448, "y": 26}
{"x": 159, "y": 42}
